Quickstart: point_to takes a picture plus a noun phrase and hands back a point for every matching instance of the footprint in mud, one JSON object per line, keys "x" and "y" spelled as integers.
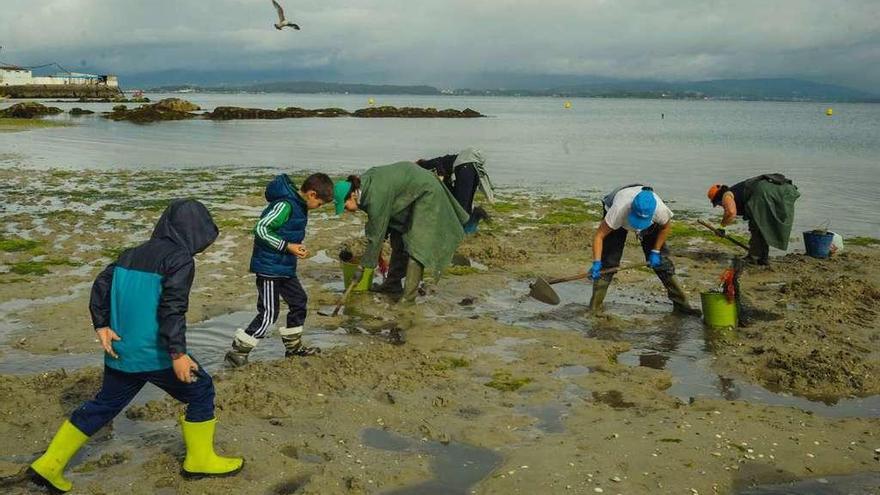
{"x": 456, "y": 467}
{"x": 613, "y": 398}
{"x": 852, "y": 484}
{"x": 291, "y": 486}
{"x": 303, "y": 454}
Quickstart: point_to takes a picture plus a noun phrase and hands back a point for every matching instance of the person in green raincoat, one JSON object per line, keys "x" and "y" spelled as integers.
{"x": 409, "y": 204}
{"x": 767, "y": 203}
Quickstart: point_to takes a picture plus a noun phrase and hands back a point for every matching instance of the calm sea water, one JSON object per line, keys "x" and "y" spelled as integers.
{"x": 530, "y": 142}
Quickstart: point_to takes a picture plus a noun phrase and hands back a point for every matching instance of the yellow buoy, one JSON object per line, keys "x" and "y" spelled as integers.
{"x": 567, "y": 104}
{"x": 829, "y": 112}
{"x": 371, "y": 101}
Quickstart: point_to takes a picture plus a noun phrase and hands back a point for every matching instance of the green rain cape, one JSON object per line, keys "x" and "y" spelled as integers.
{"x": 771, "y": 206}
{"x": 411, "y": 200}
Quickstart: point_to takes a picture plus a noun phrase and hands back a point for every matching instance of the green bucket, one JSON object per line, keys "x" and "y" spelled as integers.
{"x": 348, "y": 270}
{"x": 718, "y": 312}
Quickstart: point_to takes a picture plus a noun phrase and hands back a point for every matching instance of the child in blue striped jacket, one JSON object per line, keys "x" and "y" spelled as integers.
{"x": 278, "y": 243}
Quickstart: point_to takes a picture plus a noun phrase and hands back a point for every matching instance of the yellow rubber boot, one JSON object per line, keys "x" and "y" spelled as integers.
{"x": 200, "y": 458}
{"x": 50, "y": 466}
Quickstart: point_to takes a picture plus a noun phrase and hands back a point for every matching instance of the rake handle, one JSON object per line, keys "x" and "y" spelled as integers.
{"x": 603, "y": 272}
{"x": 344, "y": 297}
{"x": 715, "y": 231}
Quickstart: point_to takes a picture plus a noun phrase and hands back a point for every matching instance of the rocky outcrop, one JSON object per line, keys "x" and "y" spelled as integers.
{"x": 80, "y": 111}
{"x": 29, "y": 110}
{"x": 238, "y": 113}
{"x": 175, "y": 105}
{"x": 416, "y": 113}
{"x": 167, "y": 109}
{"x": 178, "y": 109}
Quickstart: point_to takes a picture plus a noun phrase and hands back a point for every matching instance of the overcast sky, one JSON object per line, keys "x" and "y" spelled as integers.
{"x": 442, "y": 41}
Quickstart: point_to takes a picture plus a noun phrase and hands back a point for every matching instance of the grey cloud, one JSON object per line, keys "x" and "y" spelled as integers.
{"x": 432, "y": 40}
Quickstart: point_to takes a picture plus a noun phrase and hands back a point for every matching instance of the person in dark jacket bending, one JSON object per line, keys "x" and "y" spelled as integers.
{"x": 138, "y": 306}
{"x": 463, "y": 174}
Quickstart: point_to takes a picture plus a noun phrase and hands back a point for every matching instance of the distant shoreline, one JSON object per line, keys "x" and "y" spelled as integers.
{"x": 777, "y": 90}
{"x": 518, "y": 95}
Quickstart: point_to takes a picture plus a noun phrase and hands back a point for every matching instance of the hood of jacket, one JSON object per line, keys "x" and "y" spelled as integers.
{"x": 469, "y": 155}
{"x": 187, "y": 223}
{"x": 282, "y": 188}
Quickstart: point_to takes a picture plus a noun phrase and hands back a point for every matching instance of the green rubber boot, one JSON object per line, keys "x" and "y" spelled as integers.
{"x": 49, "y": 468}
{"x": 414, "y": 273}
{"x": 201, "y": 460}
{"x": 679, "y": 298}
{"x": 600, "y": 289}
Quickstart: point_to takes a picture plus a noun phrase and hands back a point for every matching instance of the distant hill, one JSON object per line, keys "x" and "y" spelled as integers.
{"x": 727, "y": 89}
{"x": 309, "y": 87}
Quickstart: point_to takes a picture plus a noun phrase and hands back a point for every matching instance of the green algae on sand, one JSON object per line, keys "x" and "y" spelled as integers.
{"x": 18, "y": 125}
{"x": 505, "y": 382}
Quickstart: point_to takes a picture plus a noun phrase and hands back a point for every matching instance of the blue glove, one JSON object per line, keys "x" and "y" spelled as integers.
{"x": 596, "y": 270}
{"x": 654, "y": 260}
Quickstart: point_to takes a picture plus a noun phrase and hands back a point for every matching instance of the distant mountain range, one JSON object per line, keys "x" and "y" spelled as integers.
{"x": 726, "y": 89}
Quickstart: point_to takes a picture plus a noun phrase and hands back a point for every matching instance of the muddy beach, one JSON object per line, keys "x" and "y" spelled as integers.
{"x": 491, "y": 393}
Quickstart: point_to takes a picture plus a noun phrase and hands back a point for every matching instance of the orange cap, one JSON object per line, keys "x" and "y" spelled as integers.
{"x": 713, "y": 191}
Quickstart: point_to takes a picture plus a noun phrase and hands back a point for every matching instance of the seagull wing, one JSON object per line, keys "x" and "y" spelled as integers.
{"x": 280, "y": 11}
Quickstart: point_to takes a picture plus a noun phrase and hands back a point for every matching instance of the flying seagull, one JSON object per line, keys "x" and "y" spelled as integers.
{"x": 282, "y": 22}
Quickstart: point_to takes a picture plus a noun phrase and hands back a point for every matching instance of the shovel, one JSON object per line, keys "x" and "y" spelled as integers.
{"x": 726, "y": 236}
{"x": 342, "y": 300}
{"x": 541, "y": 289}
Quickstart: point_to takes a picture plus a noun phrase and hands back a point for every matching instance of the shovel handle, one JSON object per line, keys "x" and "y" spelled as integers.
{"x": 715, "y": 231}
{"x": 603, "y": 272}
{"x": 344, "y": 297}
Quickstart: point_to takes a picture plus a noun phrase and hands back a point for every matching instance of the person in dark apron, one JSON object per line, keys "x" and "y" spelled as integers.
{"x": 767, "y": 203}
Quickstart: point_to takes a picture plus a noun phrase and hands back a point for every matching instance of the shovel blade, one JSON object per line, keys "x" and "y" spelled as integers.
{"x": 542, "y": 291}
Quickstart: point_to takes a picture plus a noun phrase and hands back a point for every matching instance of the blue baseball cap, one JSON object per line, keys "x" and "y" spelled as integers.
{"x": 641, "y": 215}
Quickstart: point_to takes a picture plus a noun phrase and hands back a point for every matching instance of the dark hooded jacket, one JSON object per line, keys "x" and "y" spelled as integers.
{"x": 276, "y": 260}
{"x": 144, "y": 295}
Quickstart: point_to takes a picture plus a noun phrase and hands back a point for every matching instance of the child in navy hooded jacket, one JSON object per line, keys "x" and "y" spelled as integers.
{"x": 138, "y": 306}
{"x": 278, "y": 243}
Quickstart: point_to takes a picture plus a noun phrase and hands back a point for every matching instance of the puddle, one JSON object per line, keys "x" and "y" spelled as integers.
{"x": 853, "y": 484}
{"x": 571, "y": 370}
{"x": 503, "y": 348}
{"x": 207, "y": 341}
{"x": 659, "y": 340}
{"x": 689, "y": 361}
{"x": 322, "y": 258}
{"x": 457, "y": 467}
{"x": 73, "y": 292}
{"x": 550, "y": 417}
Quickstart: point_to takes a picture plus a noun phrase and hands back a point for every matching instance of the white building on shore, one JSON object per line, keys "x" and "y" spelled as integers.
{"x": 11, "y": 75}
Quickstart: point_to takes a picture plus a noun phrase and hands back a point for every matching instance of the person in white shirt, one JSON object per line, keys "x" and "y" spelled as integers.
{"x": 634, "y": 208}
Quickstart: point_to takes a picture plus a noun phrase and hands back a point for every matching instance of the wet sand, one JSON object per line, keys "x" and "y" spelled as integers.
{"x": 492, "y": 392}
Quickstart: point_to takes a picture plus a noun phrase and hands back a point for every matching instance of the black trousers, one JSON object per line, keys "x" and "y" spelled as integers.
{"x": 268, "y": 291}
{"x": 399, "y": 257}
{"x": 465, "y": 187}
{"x": 758, "y": 247}
{"x": 612, "y": 251}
